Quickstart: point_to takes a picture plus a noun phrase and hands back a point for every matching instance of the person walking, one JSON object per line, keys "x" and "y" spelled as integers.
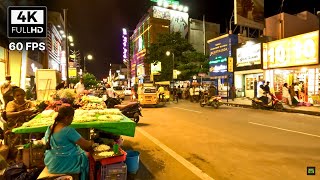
{"x": 6, "y": 92}
{"x": 80, "y": 87}
{"x": 286, "y": 93}
{"x": 191, "y": 92}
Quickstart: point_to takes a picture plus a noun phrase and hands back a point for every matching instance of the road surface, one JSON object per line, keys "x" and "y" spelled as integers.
{"x": 186, "y": 141}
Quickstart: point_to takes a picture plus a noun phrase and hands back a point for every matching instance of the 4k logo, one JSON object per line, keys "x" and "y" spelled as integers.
{"x": 311, "y": 170}
{"x": 27, "y": 22}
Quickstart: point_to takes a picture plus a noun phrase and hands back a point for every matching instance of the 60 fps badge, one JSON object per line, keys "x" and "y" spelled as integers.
{"x": 27, "y": 22}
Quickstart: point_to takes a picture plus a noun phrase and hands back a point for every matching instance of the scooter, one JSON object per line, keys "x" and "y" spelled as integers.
{"x": 131, "y": 110}
{"x": 275, "y": 103}
{"x": 214, "y": 101}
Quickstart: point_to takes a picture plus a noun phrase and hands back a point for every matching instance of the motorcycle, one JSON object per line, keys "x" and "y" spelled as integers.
{"x": 131, "y": 110}
{"x": 214, "y": 101}
{"x": 275, "y": 103}
{"x": 111, "y": 102}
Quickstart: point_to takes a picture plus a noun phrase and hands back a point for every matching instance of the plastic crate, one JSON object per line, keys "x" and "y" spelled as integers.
{"x": 116, "y": 171}
{"x": 115, "y": 159}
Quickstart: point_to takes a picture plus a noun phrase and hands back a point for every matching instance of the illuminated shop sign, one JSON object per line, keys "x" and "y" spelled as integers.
{"x": 218, "y": 68}
{"x": 140, "y": 44}
{"x": 125, "y": 44}
{"x": 294, "y": 51}
{"x": 155, "y": 68}
{"x": 249, "y": 55}
{"x": 218, "y": 59}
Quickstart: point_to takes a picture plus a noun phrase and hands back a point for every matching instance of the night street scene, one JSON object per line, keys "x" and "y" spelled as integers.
{"x": 159, "y": 90}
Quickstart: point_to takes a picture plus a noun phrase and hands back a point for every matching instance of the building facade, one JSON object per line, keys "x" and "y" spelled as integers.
{"x": 200, "y": 32}
{"x": 157, "y": 21}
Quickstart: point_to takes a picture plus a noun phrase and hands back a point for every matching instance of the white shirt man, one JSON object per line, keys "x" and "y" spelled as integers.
{"x": 191, "y": 91}
{"x": 80, "y": 87}
{"x": 110, "y": 92}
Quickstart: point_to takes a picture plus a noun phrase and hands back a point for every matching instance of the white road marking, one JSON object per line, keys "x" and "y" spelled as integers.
{"x": 187, "y": 109}
{"x": 198, "y": 172}
{"x": 286, "y": 129}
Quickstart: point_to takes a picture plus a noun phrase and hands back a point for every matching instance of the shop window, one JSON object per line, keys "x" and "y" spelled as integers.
{"x": 250, "y": 83}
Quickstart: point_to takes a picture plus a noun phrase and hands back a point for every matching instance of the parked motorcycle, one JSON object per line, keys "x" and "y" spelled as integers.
{"x": 214, "y": 101}
{"x": 275, "y": 103}
{"x": 111, "y": 102}
{"x": 131, "y": 110}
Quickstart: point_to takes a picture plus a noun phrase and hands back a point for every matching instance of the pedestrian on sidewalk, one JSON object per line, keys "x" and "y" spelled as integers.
{"x": 286, "y": 94}
{"x": 233, "y": 92}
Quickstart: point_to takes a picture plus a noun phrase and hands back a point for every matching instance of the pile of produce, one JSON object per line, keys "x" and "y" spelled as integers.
{"x": 46, "y": 118}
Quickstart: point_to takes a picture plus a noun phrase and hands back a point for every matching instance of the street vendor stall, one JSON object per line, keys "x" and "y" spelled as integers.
{"x": 109, "y": 120}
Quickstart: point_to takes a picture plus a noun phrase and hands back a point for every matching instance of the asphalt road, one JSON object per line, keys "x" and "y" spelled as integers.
{"x": 186, "y": 141}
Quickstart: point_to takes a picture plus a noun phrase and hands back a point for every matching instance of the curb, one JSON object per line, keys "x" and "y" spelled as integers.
{"x": 314, "y": 113}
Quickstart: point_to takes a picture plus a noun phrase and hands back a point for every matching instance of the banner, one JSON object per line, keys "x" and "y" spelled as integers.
{"x": 249, "y": 13}
{"x": 249, "y": 55}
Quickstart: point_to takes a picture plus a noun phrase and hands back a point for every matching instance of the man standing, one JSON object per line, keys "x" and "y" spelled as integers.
{"x": 6, "y": 93}
{"x": 267, "y": 88}
{"x": 80, "y": 87}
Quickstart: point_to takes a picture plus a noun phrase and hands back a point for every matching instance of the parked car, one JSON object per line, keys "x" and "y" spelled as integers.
{"x": 119, "y": 91}
{"x": 127, "y": 91}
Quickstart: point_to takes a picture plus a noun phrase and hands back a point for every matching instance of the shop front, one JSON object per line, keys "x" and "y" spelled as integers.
{"x": 295, "y": 61}
{"x": 248, "y": 72}
{"x": 220, "y": 51}
{"x": 3, "y": 63}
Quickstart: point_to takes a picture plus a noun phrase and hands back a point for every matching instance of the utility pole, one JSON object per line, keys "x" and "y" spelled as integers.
{"x": 66, "y": 44}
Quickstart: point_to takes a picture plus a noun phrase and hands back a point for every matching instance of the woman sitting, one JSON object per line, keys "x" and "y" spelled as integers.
{"x": 63, "y": 154}
{"x": 18, "y": 112}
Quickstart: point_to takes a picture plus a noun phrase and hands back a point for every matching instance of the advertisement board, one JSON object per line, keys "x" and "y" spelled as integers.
{"x": 155, "y": 68}
{"x": 220, "y": 50}
{"x": 294, "y": 51}
{"x": 248, "y": 55}
{"x": 249, "y": 13}
{"x": 178, "y": 20}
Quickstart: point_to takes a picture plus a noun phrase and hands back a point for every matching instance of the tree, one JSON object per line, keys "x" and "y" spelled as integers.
{"x": 186, "y": 59}
{"x": 89, "y": 80}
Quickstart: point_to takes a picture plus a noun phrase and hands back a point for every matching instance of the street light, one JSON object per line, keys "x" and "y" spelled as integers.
{"x": 168, "y": 54}
{"x": 89, "y": 57}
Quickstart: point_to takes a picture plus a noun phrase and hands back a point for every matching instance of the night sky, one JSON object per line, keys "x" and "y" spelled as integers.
{"x": 97, "y": 25}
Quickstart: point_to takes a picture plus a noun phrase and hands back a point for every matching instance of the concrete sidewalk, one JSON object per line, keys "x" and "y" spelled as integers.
{"x": 246, "y": 102}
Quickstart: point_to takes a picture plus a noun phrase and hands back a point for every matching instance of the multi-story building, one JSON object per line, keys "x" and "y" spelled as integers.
{"x": 294, "y": 55}
{"x": 200, "y": 32}
{"x": 158, "y": 20}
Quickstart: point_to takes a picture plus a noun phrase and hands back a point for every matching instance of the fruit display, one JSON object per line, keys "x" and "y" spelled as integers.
{"x": 91, "y": 99}
{"x": 46, "y": 118}
{"x": 89, "y": 106}
{"x": 101, "y": 148}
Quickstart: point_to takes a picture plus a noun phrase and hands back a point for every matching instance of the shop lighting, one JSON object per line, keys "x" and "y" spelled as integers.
{"x": 59, "y": 26}
{"x": 175, "y": 6}
{"x": 304, "y": 69}
{"x": 180, "y": 8}
{"x": 159, "y": 3}
{"x": 61, "y": 32}
{"x": 186, "y": 9}
{"x": 64, "y": 36}
{"x": 72, "y": 44}
{"x": 165, "y": 4}
{"x": 70, "y": 38}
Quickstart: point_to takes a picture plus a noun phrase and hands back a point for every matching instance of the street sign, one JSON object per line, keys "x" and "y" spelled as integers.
{"x": 194, "y": 77}
{"x": 230, "y": 64}
{"x": 27, "y": 22}
{"x": 202, "y": 74}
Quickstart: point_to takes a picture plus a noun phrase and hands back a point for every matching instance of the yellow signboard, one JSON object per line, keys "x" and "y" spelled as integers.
{"x": 72, "y": 72}
{"x": 230, "y": 64}
{"x": 294, "y": 51}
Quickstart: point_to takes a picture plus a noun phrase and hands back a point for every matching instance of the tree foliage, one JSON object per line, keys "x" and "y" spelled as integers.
{"x": 186, "y": 59}
{"x": 89, "y": 80}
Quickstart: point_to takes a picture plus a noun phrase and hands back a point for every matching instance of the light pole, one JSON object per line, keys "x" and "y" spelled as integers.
{"x": 89, "y": 57}
{"x": 168, "y": 54}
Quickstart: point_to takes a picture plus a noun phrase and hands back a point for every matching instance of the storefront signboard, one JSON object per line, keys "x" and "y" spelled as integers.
{"x": 230, "y": 64}
{"x": 249, "y": 55}
{"x": 294, "y": 51}
{"x": 220, "y": 50}
{"x": 155, "y": 68}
